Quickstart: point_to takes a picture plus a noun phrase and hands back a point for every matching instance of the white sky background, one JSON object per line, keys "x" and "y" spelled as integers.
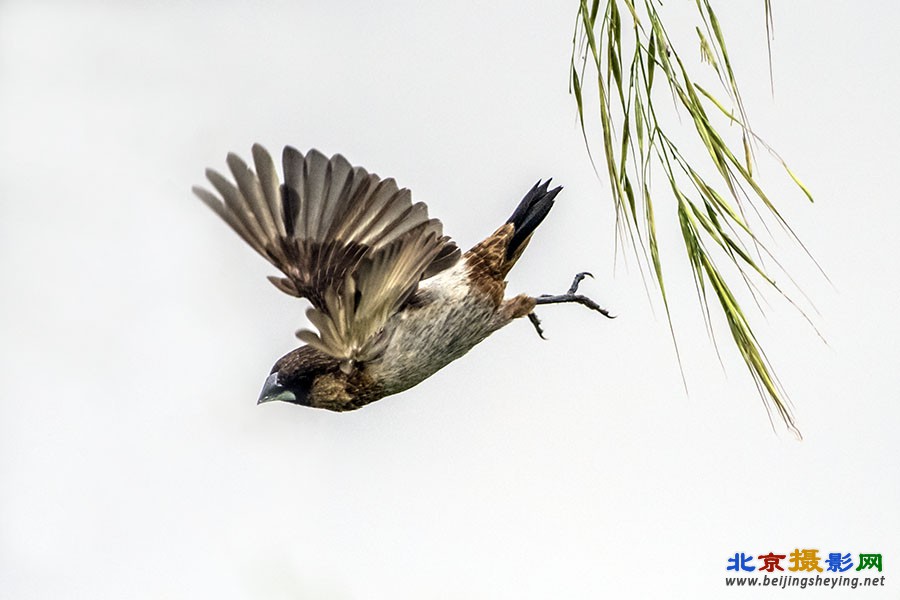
{"x": 137, "y": 329}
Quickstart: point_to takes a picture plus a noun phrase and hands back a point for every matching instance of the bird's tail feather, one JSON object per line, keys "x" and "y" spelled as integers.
{"x": 527, "y": 216}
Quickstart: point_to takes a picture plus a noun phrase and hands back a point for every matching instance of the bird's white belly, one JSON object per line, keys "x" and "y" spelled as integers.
{"x": 426, "y": 339}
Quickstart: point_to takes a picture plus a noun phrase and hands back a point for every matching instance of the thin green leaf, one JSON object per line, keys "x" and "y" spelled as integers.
{"x": 706, "y": 218}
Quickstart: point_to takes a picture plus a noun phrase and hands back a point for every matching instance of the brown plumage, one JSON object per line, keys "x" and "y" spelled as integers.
{"x": 391, "y": 300}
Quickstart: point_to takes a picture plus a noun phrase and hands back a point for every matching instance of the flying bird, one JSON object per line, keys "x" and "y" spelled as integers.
{"x": 393, "y": 298}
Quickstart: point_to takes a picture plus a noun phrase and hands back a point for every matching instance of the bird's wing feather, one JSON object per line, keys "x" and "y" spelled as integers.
{"x": 352, "y": 243}
{"x": 355, "y": 313}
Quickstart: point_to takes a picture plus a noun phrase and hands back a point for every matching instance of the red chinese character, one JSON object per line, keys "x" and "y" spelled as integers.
{"x": 770, "y": 562}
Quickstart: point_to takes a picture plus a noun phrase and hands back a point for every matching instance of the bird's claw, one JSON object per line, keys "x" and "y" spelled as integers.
{"x": 572, "y": 296}
{"x": 577, "y": 281}
{"x": 537, "y": 324}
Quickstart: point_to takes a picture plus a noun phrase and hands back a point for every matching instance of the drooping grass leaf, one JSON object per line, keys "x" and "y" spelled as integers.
{"x": 711, "y": 212}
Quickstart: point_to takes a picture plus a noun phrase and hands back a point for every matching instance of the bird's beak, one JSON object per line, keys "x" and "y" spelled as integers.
{"x": 272, "y": 390}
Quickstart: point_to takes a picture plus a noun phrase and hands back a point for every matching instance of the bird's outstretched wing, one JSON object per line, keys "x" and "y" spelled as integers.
{"x": 352, "y": 243}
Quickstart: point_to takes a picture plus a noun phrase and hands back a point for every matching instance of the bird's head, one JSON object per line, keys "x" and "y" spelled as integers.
{"x": 308, "y": 377}
{"x": 287, "y": 387}
{"x": 294, "y": 377}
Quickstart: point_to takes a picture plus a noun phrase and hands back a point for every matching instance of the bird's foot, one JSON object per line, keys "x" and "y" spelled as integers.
{"x": 570, "y": 296}
{"x": 537, "y": 324}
